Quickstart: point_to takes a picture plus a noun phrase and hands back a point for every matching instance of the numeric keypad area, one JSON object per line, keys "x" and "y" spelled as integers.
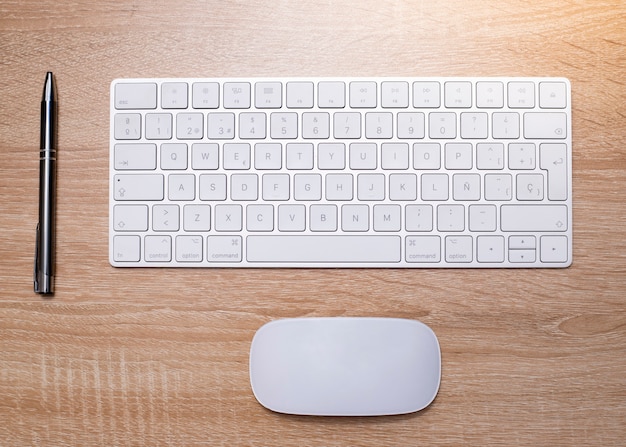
{"x": 341, "y": 172}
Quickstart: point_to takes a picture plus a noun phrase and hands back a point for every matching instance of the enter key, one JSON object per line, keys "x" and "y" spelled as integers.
{"x": 553, "y": 158}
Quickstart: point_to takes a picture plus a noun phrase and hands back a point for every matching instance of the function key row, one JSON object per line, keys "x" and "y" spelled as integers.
{"x": 338, "y": 94}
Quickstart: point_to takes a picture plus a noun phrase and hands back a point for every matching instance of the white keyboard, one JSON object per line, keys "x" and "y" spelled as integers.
{"x": 350, "y": 172}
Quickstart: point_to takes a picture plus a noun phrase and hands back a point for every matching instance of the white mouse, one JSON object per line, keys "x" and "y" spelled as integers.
{"x": 345, "y": 366}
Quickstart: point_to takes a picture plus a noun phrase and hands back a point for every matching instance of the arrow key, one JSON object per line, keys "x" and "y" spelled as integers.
{"x": 522, "y": 256}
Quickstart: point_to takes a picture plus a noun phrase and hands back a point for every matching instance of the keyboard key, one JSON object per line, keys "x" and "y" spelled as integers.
{"x": 291, "y": 217}
{"x": 130, "y": 217}
{"x": 165, "y": 218}
{"x": 212, "y": 187}
{"x": 174, "y": 95}
{"x": 236, "y": 156}
{"x": 533, "y": 218}
{"x": 299, "y": 156}
{"x": 394, "y": 156}
{"x": 260, "y": 217}
{"x": 489, "y": 95}
{"x": 395, "y": 94}
{"x": 268, "y": 155}
{"x": 419, "y": 218}
{"x": 174, "y": 156}
{"x": 553, "y": 248}
{"x": 323, "y": 218}
{"x": 403, "y": 187}
{"x": 426, "y": 156}
{"x": 204, "y": 156}
{"x": 442, "y": 125}
{"x": 490, "y": 156}
{"x": 378, "y": 125}
{"x": 221, "y": 126}
{"x": 426, "y": 95}
{"x": 158, "y": 248}
{"x": 331, "y": 156}
{"x": 482, "y": 218}
{"x": 244, "y": 187}
{"x": 355, "y": 218}
{"x": 181, "y": 186}
{"x": 522, "y": 156}
{"x": 306, "y": 249}
{"x": 339, "y": 187}
{"x": 331, "y": 95}
{"x": 205, "y": 95}
{"x": 521, "y": 95}
{"x": 450, "y": 217}
{"x": 552, "y": 95}
{"x": 553, "y": 158}
{"x": 347, "y": 125}
{"x": 459, "y": 249}
{"x": 138, "y": 187}
{"x": 387, "y": 218}
{"x": 490, "y": 249}
{"x": 197, "y": 217}
{"x": 315, "y": 126}
{"x": 434, "y": 187}
{"x": 474, "y": 125}
{"x": 423, "y": 249}
{"x": 126, "y": 248}
{"x": 363, "y": 156}
{"x": 410, "y": 125}
{"x": 498, "y": 187}
{"x": 505, "y": 125}
{"x": 224, "y": 248}
{"x": 189, "y": 248}
{"x": 362, "y": 95}
{"x": 135, "y": 157}
{"x": 275, "y": 187}
{"x": 189, "y": 126}
{"x": 127, "y": 126}
{"x": 252, "y": 126}
{"x": 529, "y": 186}
{"x": 158, "y": 126}
{"x": 228, "y": 218}
{"x": 129, "y": 96}
{"x": 307, "y": 187}
{"x": 268, "y": 95}
{"x": 299, "y": 95}
{"x": 371, "y": 187}
{"x": 236, "y": 95}
{"x": 458, "y": 155}
{"x": 549, "y": 125}
{"x": 458, "y": 94}
{"x": 284, "y": 125}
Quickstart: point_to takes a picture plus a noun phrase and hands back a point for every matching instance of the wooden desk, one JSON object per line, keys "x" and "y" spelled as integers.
{"x": 160, "y": 357}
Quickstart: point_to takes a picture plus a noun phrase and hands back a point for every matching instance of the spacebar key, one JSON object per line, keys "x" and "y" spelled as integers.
{"x": 323, "y": 249}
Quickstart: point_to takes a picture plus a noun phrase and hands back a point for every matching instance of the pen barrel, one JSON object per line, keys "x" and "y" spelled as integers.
{"x": 48, "y": 125}
{"x": 47, "y": 199}
{"x": 47, "y": 187}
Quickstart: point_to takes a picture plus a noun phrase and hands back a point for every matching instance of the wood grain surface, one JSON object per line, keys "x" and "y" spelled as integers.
{"x": 150, "y": 357}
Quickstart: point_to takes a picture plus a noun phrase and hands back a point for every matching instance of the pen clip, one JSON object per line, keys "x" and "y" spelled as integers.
{"x": 36, "y": 266}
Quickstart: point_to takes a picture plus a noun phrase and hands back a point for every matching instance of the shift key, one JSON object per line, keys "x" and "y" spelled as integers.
{"x": 533, "y": 217}
{"x": 138, "y": 187}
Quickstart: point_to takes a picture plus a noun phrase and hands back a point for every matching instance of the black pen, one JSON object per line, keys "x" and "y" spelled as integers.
{"x": 44, "y": 254}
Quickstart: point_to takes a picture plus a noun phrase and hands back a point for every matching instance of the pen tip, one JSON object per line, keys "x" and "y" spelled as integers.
{"x": 48, "y": 88}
